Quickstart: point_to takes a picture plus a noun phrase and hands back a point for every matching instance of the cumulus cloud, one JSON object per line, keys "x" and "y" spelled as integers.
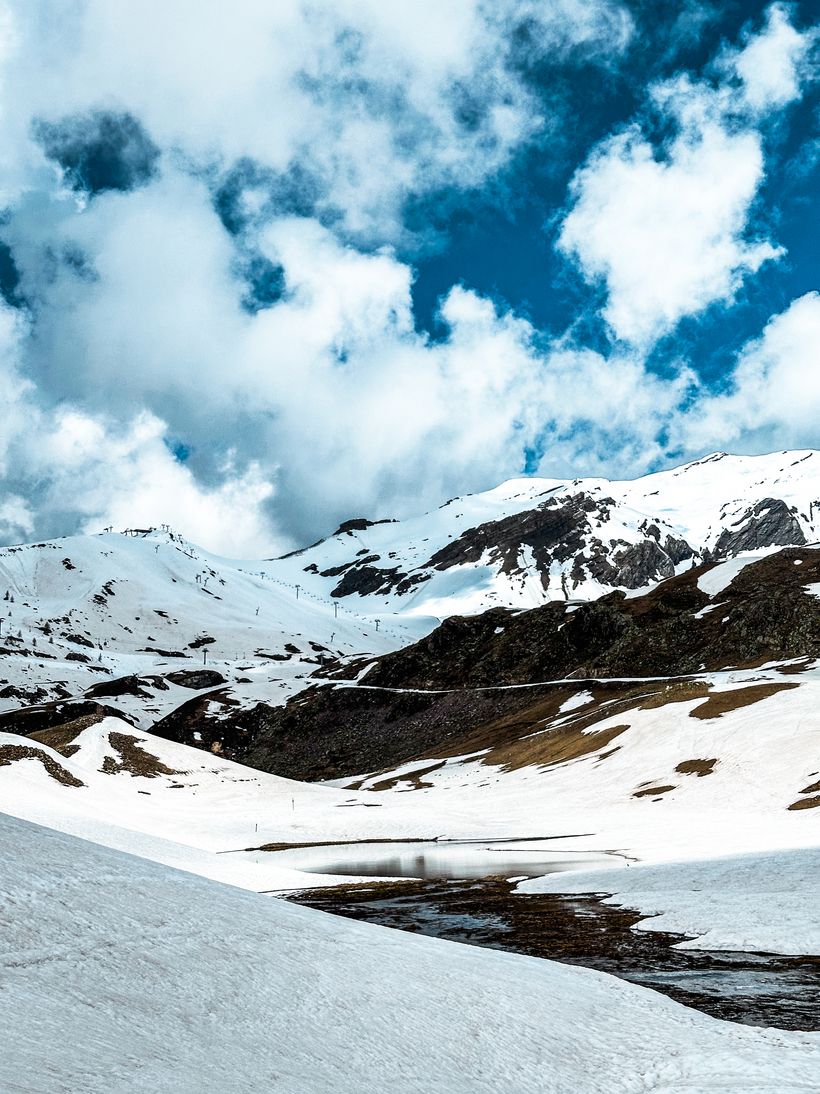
{"x": 358, "y": 102}
{"x": 774, "y": 64}
{"x": 665, "y": 224}
{"x": 200, "y": 208}
{"x": 774, "y": 394}
{"x": 207, "y": 318}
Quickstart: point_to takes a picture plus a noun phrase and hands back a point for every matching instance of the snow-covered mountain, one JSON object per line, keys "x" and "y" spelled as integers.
{"x": 78, "y": 613}
{"x": 531, "y": 540}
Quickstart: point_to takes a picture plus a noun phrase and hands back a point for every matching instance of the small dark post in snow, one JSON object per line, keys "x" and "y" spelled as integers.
{"x": 298, "y": 587}
{"x": 204, "y": 656}
{"x": 293, "y": 805}
{"x": 335, "y": 610}
{"x": 257, "y": 611}
{"x": 377, "y": 624}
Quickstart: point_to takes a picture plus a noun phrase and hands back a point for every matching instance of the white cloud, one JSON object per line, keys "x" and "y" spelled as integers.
{"x": 665, "y": 226}
{"x": 666, "y": 234}
{"x": 775, "y": 63}
{"x": 127, "y": 477}
{"x": 375, "y": 100}
{"x": 774, "y": 397}
{"x": 329, "y": 403}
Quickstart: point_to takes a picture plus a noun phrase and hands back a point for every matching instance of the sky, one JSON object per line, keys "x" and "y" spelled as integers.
{"x": 264, "y": 267}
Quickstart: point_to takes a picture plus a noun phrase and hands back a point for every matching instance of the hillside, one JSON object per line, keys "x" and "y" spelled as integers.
{"x": 533, "y": 540}
{"x": 485, "y": 680}
{"x": 124, "y": 975}
{"x": 153, "y": 610}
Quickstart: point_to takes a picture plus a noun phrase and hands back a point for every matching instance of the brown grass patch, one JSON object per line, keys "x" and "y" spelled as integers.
{"x": 553, "y": 747}
{"x": 652, "y": 791}
{"x": 806, "y": 803}
{"x": 696, "y": 767}
{"x": 62, "y": 738}
{"x": 798, "y": 666}
{"x": 10, "y": 753}
{"x": 134, "y": 759}
{"x": 412, "y": 777}
{"x": 337, "y": 843}
{"x": 722, "y": 702}
{"x": 813, "y": 788}
{"x": 681, "y": 692}
{"x": 609, "y": 752}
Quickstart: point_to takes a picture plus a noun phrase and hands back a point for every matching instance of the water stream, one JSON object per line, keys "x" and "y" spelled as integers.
{"x": 462, "y": 893}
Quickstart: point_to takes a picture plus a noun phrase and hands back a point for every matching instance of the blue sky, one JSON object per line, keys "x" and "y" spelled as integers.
{"x": 267, "y": 267}
{"x": 506, "y": 249}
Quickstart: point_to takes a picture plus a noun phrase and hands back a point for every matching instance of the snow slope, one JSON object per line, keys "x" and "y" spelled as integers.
{"x": 635, "y": 794}
{"x": 694, "y": 504}
{"x": 122, "y": 975}
{"x": 756, "y": 902}
{"x": 85, "y": 608}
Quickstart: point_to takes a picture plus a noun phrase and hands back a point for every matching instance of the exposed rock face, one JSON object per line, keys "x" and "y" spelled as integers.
{"x": 55, "y": 714}
{"x": 551, "y": 530}
{"x": 556, "y": 531}
{"x": 357, "y": 524}
{"x": 770, "y": 523}
{"x": 561, "y": 532}
{"x": 641, "y": 564}
{"x": 362, "y": 578}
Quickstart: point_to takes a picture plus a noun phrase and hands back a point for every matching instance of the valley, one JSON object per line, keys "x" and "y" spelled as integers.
{"x": 612, "y": 769}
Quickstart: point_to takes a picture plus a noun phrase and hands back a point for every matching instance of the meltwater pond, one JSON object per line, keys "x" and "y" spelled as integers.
{"x": 440, "y": 860}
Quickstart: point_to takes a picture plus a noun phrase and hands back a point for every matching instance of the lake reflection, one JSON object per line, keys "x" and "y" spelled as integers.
{"x": 453, "y": 861}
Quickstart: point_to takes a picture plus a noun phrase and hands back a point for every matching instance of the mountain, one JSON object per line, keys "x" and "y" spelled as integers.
{"x": 204, "y": 650}
{"x": 491, "y": 680}
{"x": 161, "y": 617}
{"x": 656, "y": 720}
{"x": 533, "y": 540}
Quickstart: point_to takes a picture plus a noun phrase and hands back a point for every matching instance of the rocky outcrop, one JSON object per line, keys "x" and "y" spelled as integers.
{"x": 552, "y": 531}
{"x": 769, "y": 523}
{"x": 196, "y": 679}
{"x": 562, "y": 531}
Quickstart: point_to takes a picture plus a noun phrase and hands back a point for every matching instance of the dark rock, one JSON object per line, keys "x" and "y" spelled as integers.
{"x": 196, "y": 679}
{"x": 641, "y": 564}
{"x": 769, "y": 523}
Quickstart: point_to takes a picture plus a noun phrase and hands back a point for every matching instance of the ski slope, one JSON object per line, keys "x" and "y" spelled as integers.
{"x": 77, "y": 611}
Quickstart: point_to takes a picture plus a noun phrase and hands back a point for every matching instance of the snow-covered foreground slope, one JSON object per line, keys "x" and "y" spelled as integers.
{"x": 530, "y": 540}
{"x": 122, "y": 975}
